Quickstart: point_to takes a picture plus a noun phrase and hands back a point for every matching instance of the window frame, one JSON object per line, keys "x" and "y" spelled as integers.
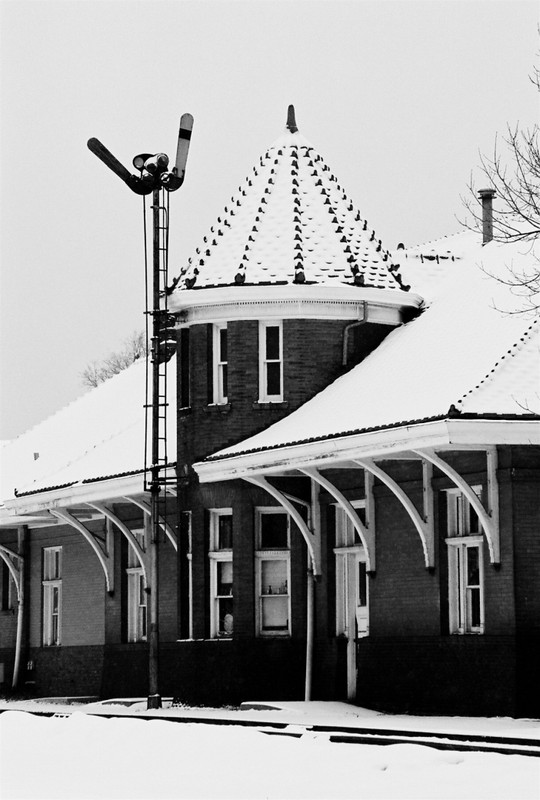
{"x": 264, "y": 361}
{"x": 464, "y": 533}
{"x": 217, "y": 556}
{"x": 137, "y": 629}
{"x": 348, "y": 549}
{"x": 137, "y": 612}
{"x": 263, "y": 555}
{"x": 51, "y": 585}
{"x": 220, "y": 366}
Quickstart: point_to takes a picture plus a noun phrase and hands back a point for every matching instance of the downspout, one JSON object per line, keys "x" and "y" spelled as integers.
{"x": 349, "y": 327}
{"x": 21, "y": 610}
{"x": 309, "y": 631}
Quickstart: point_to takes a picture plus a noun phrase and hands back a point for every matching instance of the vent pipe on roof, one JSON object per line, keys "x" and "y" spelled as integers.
{"x": 291, "y": 120}
{"x": 486, "y": 196}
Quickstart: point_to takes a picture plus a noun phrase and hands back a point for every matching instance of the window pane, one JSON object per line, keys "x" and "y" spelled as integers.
{"x": 224, "y": 532}
{"x": 274, "y": 531}
{"x": 223, "y": 344}
{"x": 142, "y": 593}
{"x": 362, "y": 584}
{"x": 273, "y": 378}
{"x": 224, "y": 381}
{"x": 224, "y": 577}
{"x": 474, "y": 523}
{"x": 473, "y": 567}
{"x": 54, "y": 630}
{"x": 55, "y": 599}
{"x": 474, "y": 608}
{"x": 272, "y": 342}
{"x": 52, "y": 563}
{"x": 461, "y": 527}
{"x": 274, "y": 577}
{"x": 225, "y": 613}
{"x": 275, "y": 613}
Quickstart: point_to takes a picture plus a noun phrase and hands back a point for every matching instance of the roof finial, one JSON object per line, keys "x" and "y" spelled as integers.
{"x": 291, "y": 120}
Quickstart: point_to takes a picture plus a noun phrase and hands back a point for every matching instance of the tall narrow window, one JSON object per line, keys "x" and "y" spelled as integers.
{"x": 137, "y": 596}
{"x": 352, "y": 609}
{"x": 272, "y": 578}
{"x": 270, "y": 362}
{"x": 221, "y": 573}
{"x": 465, "y": 565}
{"x": 220, "y": 364}
{"x": 52, "y": 596}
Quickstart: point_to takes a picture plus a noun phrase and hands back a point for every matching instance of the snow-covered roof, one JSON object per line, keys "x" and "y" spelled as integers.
{"x": 426, "y": 266}
{"x": 289, "y": 222}
{"x": 466, "y": 354}
{"x": 97, "y": 436}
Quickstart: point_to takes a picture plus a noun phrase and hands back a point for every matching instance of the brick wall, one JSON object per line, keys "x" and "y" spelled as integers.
{"x": 312, "y": 358}
{"x": 83, "y": 586}
{"x": 466, "y": 675}
{"x": 525, "y": 483}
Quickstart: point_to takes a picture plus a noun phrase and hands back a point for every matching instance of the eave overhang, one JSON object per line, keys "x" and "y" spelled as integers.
{"x": 288, "y": 301}
{"x": 18, "y": 510}
{"x": 387, "y": 443}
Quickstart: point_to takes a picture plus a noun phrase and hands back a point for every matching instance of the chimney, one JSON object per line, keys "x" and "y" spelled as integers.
{"x": 487, "y": 195}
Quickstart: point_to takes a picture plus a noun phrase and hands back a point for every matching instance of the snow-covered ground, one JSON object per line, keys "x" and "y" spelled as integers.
{"x": 88, "y": 756}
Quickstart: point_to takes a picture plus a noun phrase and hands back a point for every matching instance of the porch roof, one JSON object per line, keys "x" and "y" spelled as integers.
{"x": 100, "y": 436}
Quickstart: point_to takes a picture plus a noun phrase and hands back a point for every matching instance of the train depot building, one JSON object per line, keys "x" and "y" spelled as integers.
{"x": 355, "y": 446}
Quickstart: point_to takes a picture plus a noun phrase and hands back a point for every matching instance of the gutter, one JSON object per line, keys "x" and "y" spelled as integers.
{"x": 383, "y": 443}
{"x": 75, "y": 494}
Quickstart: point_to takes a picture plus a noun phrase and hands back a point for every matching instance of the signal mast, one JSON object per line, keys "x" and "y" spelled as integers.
{"x": 155, "y": 178}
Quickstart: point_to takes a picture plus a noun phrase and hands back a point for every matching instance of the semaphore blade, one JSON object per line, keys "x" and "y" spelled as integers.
{"x": 184, "y": 138}
{"x": 134, "y": 183}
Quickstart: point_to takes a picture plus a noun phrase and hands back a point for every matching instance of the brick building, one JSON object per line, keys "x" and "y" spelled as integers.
{"x": 357, "y": 507}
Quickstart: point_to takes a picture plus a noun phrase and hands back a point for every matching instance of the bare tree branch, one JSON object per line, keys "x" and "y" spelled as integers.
{"x": 513, "y": 171}
{"x": 97, "y": 372}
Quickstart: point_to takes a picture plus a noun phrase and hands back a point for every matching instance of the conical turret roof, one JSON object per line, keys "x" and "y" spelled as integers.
{"x": 290, "y": 222}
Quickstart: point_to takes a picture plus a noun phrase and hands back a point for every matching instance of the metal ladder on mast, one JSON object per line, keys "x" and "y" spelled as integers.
{"x": 163, "y": 342}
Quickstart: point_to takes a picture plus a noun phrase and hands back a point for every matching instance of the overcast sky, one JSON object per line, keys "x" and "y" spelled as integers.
{"x": 398, "y": 98}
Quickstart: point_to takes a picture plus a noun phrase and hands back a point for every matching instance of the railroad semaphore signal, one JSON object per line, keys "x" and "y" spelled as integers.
{"x": 153, "y": 169}
{"x": 155, "y": 178}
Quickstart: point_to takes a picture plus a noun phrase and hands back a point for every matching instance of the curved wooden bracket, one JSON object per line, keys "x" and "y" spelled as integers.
{"x": 142, "y": 504}
{"x": 9, "y": 557}
{"x": 313, "y": 541}
{"x": 489, "y": 517}
{"x": 424, "y": 525}
{"x": 104, "y": 557}
{"x": 366, "y": 533}
{"x": 142, "y": 555}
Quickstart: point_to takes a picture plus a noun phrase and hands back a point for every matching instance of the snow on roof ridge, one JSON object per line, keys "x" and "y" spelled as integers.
{"x": 440, "y": 239}
{"x": 519, "y": 344}
{"x": 70, "y": 404}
